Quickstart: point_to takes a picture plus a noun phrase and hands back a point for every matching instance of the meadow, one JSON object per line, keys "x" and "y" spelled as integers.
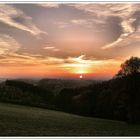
{"x": 18, "y": 120}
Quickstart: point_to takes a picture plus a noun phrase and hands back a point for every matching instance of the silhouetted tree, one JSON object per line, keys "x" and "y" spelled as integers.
{"x": 130, "y": 70}
{"x": 130, "y": 66}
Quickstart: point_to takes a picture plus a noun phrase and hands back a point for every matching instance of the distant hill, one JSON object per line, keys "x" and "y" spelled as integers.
{"x": 28, "y": 80}
{"x": 56, "y": 85}
{"x": 20, "y": 92}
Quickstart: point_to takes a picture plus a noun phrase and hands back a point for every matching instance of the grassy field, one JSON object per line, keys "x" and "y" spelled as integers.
{"x": 16, "y": 120}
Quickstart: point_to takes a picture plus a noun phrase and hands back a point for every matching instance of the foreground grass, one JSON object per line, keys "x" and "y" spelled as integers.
{"x": 16, "y": 120}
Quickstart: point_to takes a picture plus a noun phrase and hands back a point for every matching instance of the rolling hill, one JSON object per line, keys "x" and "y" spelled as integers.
{"x": 17, "y": 120}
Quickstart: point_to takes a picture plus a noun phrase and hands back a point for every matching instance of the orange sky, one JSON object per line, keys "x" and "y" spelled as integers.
{"x": 69, "y": 68}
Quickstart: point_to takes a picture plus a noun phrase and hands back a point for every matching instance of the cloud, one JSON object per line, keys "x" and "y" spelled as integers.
{"x": 86, "y": 23}
{"x": 128, "y": 29}
{"x": 52, "y": 49}
{"x": 82, "y": 64}
{"x": 91, "y": 23}
{"x": 83, "y": 59}
{"x": 8, "y": 44}
{"x": 25, "y": 59}
{"x": 123, "y": 11}
{"x": 49, "y": 5}
{"x": 16, "y": 18}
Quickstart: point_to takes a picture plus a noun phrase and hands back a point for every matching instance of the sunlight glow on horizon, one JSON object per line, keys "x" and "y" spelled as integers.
{"x": 81, "y": 76}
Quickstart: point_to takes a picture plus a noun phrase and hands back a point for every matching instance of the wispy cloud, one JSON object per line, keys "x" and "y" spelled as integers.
{"x": 128, "y": 29}
{"x": 123, "y": 11}
{"x": 52, "y": 49}
{"x": 81, "y": 64}
{"x": 10, "y": 15}
{"x": 8, "y": 44}
{"x": 82, "y": 22}
{"x": 27, "y": 59}
{"x": 49, "y": 5}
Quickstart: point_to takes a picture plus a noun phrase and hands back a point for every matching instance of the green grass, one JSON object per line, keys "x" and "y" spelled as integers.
{"x": 16, "y": 120}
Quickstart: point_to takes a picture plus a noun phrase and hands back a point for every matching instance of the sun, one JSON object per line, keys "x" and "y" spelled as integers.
{"x": 81, "y": 76}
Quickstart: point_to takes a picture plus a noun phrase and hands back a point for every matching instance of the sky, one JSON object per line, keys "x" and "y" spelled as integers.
{"x": 66, "y": 40}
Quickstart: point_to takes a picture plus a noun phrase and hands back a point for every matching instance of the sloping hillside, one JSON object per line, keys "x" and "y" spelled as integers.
{"x": 16, "y": 120}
